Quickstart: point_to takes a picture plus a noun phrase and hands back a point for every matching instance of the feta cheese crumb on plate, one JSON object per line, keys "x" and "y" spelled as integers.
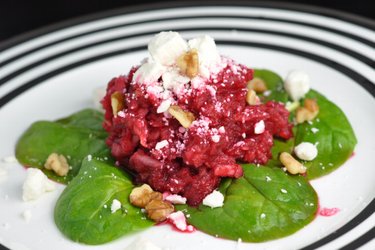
{"x": 142, "y": 244}
{"x": 214, "y": 199}
{"x": 36, "y": 184}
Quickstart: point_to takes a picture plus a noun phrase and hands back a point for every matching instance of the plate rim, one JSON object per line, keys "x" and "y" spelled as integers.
{"x": 340, "y": 15}
{"x": 306, "y": 8}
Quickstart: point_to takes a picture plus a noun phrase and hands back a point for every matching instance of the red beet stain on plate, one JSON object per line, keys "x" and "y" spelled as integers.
{"x": 328, "y": 211}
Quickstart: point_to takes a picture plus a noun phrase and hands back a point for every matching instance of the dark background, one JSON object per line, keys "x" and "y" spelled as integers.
{"x": 19, "y": 16}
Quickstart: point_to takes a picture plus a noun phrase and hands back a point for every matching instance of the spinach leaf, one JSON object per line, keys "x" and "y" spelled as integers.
{"x": 87, "y": 118}
{"x": 83, "y": 211}
{"x": 264, "y": 204}
{"x": 334, "y": 136}
{"x": 274, "y": 84}
{"x": 74, "y": 137}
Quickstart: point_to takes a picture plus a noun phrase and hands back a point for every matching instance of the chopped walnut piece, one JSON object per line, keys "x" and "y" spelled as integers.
{"x": 292, "y": 165}
{"x": 251, "y": 97}
{"x": 257, "y": 84}
{"x": 141, "y": 196}
{"x": 188, "y": 63}
{"x": 117, "y": 102}
{"x": 311, "y": 105}
{"x": 158, "y": 210}
{"x": 308, "y": 112}
{"x": 58, "y": 164}
{"x": 144, "y": 197}
{"x": 184, "y": 117}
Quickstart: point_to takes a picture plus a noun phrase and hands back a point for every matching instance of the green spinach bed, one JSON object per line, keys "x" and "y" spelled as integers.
{"x": 265, "y": 204}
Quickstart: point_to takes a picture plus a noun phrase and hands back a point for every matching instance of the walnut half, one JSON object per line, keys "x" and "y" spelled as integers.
{"x": 117, "y": 102}
{"x": 251, "y": 97}
{"x": 308, "y": 112}
{"x": 189, "y": 63}
{"x": 141, "y": 196}
{"x": 144, "y": 197}
{"x": 185, "y": 118}
{"x": 58, "y": 164}
{"x": 158, "y": 210}
{"x": 292, "y": 165}
{"x": 257, "y": 84}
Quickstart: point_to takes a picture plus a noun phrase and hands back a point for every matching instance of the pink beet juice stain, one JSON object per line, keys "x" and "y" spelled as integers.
{"x": 328, "y": 211}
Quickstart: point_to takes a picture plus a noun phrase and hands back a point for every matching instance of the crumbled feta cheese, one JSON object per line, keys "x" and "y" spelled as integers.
{"x": 267, "y": 92}
{"x": 178, "y": 219}
{"x": 148, "y": 73}
{"x": 259, "y": 127}
{"x": 116, "y": 205}
{"x": 306, "y": 151}
{"x": 121, "y": 114}
{"x": 207, "y": 52}
{"x": 142, "y": 244}
{"x": 215, "y": 138}
{"x": 297, "y": 84}
{"x": 161, "y": 144}
{"x": 26, "y": 215}
{"x": 214, "y": 199}
{"x": 173, "y": 80}
{"x": 222, "y": 130}
{"x": 314, "y": 130}
{"x": 175, "y": 199}
{"x": 89, "y": 157}
{"x": 262, "y": 215}
{"x": 283, "y": 191}
{"x": 36, "y": 184}
{"x": 166, "y": 47}
{"x": 164, "y": 106}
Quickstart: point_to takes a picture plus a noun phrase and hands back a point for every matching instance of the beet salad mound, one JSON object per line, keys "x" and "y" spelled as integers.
{"x": 186, "y": 117}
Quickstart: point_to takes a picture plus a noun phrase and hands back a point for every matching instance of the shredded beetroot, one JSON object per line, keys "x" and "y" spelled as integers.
{"x": 192, "y": 161}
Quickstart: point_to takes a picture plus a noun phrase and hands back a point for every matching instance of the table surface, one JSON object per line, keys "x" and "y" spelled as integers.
{"x": 20, "y": 16}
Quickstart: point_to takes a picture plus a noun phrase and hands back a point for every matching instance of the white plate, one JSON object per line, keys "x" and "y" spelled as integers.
{"x": 52, "y": 72}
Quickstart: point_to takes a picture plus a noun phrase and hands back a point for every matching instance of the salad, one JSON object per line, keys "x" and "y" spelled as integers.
{"x": 192, "y": 138}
